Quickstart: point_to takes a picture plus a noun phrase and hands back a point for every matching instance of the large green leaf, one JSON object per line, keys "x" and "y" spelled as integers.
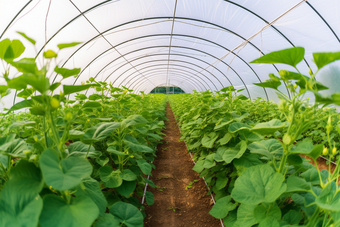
{"x": 258, "y": 184}
{"x": 65, "y": 73}
{"x": 144, "y": 166}
{"x": 209, "y": 161}
{"x": 222, "y": 207}
{"x": 291, "y": 56}
{"x": 29, "y": 176}
{"x": 19, "y": 206}
{"x": 245, "y": 216}
{"x": 306, "y": 147}
{"x": 81, "y": 211}
{"x": 267, "y": 148}
{"x": 225, "y": 139}
{"x": 69, "y": 89}
{"x": 91, "y": 188}
{"x": 110, "y": 177}
{"x": 268, "y": 127}
{"x": 246, "y": 161}
{"x": 128, "y": 175}
{"x": 209, "y": 140}
{"x": 135, "y": 146}
{"x": 92, "y": 104}
{"x": 127, "y": 214}
{"x": 126, "y": 188}
{"x": 269, "y": 84}
{"x": 150, "y": 198}
{"x": 329, "y": 199}
{"x": 65, "y": 174}
{"x": 322, "y": 59}
{"x": 236, "y": 152}
{"x": 4, "y": 44}
{"x": 237, "y": 126}
{"x": 106, "y": 220}
{"x": 99, "y": 132}
{"x": 13, "y": 50}
{"x": 21, "y": 105}
{"x": 262, "y": 212}
{"x": 17, "y": 83}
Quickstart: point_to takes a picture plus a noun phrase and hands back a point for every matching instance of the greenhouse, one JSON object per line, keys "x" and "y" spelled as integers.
{"x": 169, "y": 113}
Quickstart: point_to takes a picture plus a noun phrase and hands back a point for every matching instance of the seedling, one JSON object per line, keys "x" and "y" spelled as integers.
{"x": 173, "y": 208}
{"x": 165, "y": 177}
{"x": 190, "y": 185}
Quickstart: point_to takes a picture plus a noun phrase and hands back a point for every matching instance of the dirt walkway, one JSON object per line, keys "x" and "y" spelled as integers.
{"x": 175, "y": 205}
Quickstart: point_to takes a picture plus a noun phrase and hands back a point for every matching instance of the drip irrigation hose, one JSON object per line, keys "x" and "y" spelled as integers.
{"x": 146, "y": 185}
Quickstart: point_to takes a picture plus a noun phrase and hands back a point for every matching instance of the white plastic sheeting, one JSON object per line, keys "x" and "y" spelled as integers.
{"x": 192, "y": 44}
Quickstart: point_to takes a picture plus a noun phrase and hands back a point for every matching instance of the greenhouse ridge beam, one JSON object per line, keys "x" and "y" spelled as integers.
{"x": 104, "y": 36}
{"x": 172, "y": 31}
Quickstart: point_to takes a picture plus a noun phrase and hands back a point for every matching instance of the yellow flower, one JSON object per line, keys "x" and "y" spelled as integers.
{"x": 88, "y": 119}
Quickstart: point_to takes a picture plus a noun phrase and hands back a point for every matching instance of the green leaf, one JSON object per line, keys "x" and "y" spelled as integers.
{"x": 91, "y": 104}
{"x": 150, "y": 198}
{"x": 297, "y": 184}
{"x": 199, "y": 166}
{"x": 106, "y": 220}
{"x": 20, "y": 105}
{"x": 127, "y": 214}
{"x": 14, "y": 50}
{"x": 294, "y": 160}
{"x": 19, "y": 206}
{"x": 237, "y": 126}
{"x": 75, "y": 134}
{"x": 91, "y": 188}
{"x": 288, "y": 75}
{"x": 329, "y": 199}
{"x": 209, "y": 161}
{"x": 221, "y": 180}
{"x": 209, "y": 140}
{"x": 69, "y": 89}
{"x": 49, "y": 54}
{"x": 269, "y": 84}
{"x": 102, "y": 160}
{"x": 236, "y": 152}
{"x": 291, "y": 56}
{"x": 258, "y": 184}
{"x": 269, "y": 222}
{"x": 26, "y": 65}
{"x": 293, "y": 217}
{"x": 29, "y": 176}
{"x": 225, "y": 139}
{"x": 67, "y": 173}
{"x": 306, "y": 147}
{"x": 28, "y": 38}
{"x": 132, "y": 143}
{"x": 144, "y": 166}
{"x": 268, "y": 127}
{"x": 65, "y": 73}
{"x": 126, "y": 188}
{"x": 4, "y": 90}
{"x": 322, "y": 59}
{"x": 39, "y": 83}
{"x": 112, "y": 149}
{"x": 222, "y": 207}
{"x": 110, "y": 177}
{"x": 267, "y": 148}
{"x": 26, "y": 93}
{"x": 262, "y": 212}
{"x": 81, "y": 211}
{"x": 246, "y": 161}
{"x": 66, "y": 45}
{"x": 55, "y": 86}
{"x": 17, "y": 83}
{"x": 99, "y": 132}
{"x": 245, "y": 216}
{"x": 128, "y": 175}
{"x": 4, "y": 44}
{"x": 312, "y": 176}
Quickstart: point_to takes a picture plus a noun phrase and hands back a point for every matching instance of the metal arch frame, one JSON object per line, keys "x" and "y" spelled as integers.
{"x": 173, "y": 70}
{"x": 155, "y": 74}
{"x": 102, "y": 3}
{"x": 171, "y": 54}
{"x": 181, "y": 72}
{"x": 182, "y": 55}
{"x": 9, "y": 24}
{"x": 177, "y": 81}
{"x": 160, "y": 47}
{"x": 182, "y": 66}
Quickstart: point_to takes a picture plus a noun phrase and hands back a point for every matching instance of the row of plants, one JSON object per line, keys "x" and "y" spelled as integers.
{"x": 80, "y": 162}
{"x": 252, "y": 163}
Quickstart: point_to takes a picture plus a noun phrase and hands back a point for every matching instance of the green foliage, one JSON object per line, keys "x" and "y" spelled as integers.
{"x": 73, "y": 162}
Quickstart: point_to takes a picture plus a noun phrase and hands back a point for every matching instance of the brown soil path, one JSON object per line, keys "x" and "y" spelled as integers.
{"x": 176, "y": 206}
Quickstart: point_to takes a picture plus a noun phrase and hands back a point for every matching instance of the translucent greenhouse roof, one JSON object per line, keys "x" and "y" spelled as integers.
{"x": 192, "y": 44}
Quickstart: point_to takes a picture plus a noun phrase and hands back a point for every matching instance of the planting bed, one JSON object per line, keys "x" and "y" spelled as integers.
{"x": 175, "y": 203}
